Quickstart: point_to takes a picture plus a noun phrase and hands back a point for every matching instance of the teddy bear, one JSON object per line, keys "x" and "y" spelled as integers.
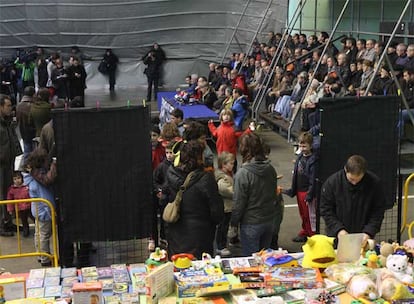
{"x": 362, "y": 286}
{"x": 385, "y": 250}
{"x": 398, "y": 264}
{"x": 390, "y": 288}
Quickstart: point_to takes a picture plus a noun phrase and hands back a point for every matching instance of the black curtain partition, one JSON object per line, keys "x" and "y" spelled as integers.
{"x": 367, "y": 126}
{"x": 105, "y": 177}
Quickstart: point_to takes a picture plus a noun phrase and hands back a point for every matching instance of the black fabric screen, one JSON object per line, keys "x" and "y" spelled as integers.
{"x": 367, "y": 126}
{"x": 105, "y": 177}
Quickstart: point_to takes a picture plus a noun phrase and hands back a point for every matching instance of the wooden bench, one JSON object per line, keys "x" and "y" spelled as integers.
{"x": 279, "y": 125}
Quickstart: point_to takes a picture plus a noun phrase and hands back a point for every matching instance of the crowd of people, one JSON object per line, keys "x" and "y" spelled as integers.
{"x": 226, "y": 203}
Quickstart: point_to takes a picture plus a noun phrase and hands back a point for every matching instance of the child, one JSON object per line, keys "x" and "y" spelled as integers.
{"x": 158, "y": 151}
{"x": 20, "y": 191}
{"x": 226, "y": 134}
{"x": 224, "y": 179}
{"x": 160, "y": 187}
{"x": 39, "y": 180}
{"x": 303, "y": 187}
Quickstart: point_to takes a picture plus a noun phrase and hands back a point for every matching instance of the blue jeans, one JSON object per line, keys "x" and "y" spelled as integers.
{"x": 28, "y": 148}
{"x": 255, "y": 237}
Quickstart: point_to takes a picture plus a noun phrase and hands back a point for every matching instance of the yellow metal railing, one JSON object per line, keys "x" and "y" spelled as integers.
{"x": 404, "y": 224}
{"x": 53, "y": 257}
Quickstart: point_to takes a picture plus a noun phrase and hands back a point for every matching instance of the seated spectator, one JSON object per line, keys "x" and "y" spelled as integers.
{"x": 208, "y": 95}
{"x": 238, "y": 81}
{"x": 370, "y": 50}
{"x": 368, "y": 73}
{"x": 360, "y": 44}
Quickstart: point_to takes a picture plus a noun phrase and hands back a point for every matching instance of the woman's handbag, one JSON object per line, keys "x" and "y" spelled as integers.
{"x": 171, "y": 212}
{"x": 103, "y": 68}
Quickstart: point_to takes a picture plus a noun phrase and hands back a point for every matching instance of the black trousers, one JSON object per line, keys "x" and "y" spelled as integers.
{"x": 152, "y": 81}
{"x": 111, "y": 74}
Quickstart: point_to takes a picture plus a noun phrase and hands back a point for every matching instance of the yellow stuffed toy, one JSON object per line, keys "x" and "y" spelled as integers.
{"x": 319, "y": 252}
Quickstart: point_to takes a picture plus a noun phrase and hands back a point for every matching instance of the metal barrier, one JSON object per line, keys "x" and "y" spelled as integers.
{"x": 53, "y": 257}
{"x": 404, "y": 224}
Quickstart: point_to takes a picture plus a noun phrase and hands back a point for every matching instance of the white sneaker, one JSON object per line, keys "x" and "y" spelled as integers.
{"x": 224, "y": 252}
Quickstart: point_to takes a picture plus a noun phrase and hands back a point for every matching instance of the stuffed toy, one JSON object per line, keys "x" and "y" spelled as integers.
{"x": 386, "y": 249}
{"x": 319, "y": 252}
{"x": 362, "y": 286}
{"x": 398, "y": 264}
{"x": 371, "y": 260}
{"x": 391, "y": 289}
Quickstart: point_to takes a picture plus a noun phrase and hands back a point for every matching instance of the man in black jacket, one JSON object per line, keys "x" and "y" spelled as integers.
{"x": 352, "y": 200}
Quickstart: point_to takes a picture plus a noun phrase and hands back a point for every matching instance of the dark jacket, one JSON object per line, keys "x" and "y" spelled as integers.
{"x": 111, "y": 61}
{"x": 358, "y": 208}
{"x": 310, "y": 173}
{"x": 153, "y": 66}
{"x": 77, "y": 84}
{"x": 255, "y": 186}
{"x": 9, "y": 143}
{"x": 201, "y": 210}
{"x": 40, "y": 114}
{"x": 26, "y": 127}
{"x": 160, "y": 180}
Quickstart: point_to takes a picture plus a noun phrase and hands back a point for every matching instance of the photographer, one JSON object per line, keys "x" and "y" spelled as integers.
{"x": 152, "y": 71}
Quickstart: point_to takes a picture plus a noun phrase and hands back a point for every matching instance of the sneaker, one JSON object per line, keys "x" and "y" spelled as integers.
{"x": 46, "y": 263}
{"x": 224, "y": 252}
{"x": 300, "y": 239}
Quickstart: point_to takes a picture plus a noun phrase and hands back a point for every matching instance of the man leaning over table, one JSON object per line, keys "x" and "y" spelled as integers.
{"x": 352, "y": 200}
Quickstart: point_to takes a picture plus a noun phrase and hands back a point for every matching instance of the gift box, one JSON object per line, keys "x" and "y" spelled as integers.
{"x": 190, "y": 281}
{"x": 12, "y": 288}
{"x": 87, "y": 292}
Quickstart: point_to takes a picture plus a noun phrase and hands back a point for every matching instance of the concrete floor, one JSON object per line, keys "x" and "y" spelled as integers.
{"x": 282, "y": 156}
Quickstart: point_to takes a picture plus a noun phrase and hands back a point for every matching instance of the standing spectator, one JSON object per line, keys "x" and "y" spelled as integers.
{"x": 161, "y": 57}
{"x": 158, "y": 151}
{"x": 26, "y": 126}
{"x": 201, "y": 208}
{"x": 304, "y": 187}
{"x": 50, "y": 68}
{"x": 177, "y": 117}
{"x": 77, "y": 79}
{"x": 40, "y": 110}
{"x": 111, "y": 61}
{"x": 255, "y": 187}
{"x": 27, "y": 68}
{"x": 224, "y": 179}
{"x": 352, "y": 200}
{"x": 39, "y": 181}
{"x": 60, "y": 80}
{"x": 41, "y": 76}
{"x": 152, "y": 71}
{"x": 19, "y": 191}
{"x": 9, "y": 149}
{"x": 161, "y": 188}
{"x": 240, "y": 108}
{"x": 225, "y": 133}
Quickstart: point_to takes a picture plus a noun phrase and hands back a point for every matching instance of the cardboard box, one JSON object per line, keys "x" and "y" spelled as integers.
{"x": 13, "y": 288}
{"x": 189, "y": 282}
{"x": 88, "y": 292}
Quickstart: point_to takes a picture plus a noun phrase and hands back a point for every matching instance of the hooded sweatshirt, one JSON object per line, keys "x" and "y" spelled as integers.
{"x": 255, "y": 198}
{"x": 37, "y": 190}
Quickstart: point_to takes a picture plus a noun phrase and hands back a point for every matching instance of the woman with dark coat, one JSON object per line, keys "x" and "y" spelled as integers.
{"x": 201, "y": 208}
